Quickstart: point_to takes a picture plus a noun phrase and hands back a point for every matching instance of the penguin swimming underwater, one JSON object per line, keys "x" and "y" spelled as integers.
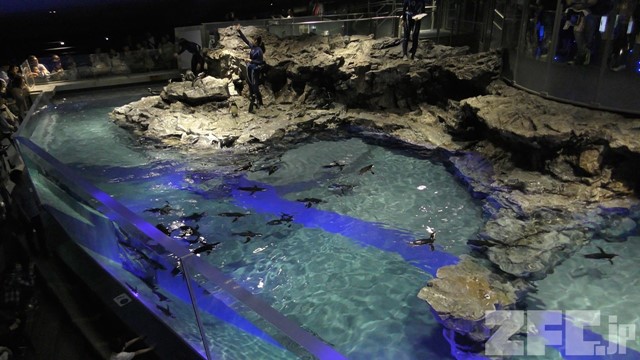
{"x": 284, "y": 218}
{"x": 248, "y": 234}
{"x": 364, "y": 170}
{"x": 196, "y": 216}
{"x": 234, "y": 215}
{"x": 601, "y": 255}
{"x": 165, "y": 210}
{"x": 251, "y": 189}
{"x": 165, "y": 310}
{"x": 341, "y": 189}
{"x": 160, "y": 295}
{"x": 206, "y": 248}
{"x": 334, "y": 164}
{"x": 310, "y": 201}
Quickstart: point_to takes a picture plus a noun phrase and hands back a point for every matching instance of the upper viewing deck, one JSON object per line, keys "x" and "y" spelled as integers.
{"x": 582, "y": 54}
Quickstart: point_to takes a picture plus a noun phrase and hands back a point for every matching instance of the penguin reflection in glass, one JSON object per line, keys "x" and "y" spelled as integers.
{"x": 254, "y": 68}
{"x": 411, "y": 26}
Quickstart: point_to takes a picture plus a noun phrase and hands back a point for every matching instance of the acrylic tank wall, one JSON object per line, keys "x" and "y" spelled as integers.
{"x": 188, "y": 308}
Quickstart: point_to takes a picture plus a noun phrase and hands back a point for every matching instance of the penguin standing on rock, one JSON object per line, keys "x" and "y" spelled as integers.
{"x": 200, "y": 76}
{"x": 233, "y": 109}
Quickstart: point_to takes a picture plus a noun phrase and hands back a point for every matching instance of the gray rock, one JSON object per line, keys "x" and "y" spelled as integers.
{"x": 549, "y": 175}
{"x": 462, "y": 293}
{"x": 198, "y": 91}
{"x": 590, "y": 160}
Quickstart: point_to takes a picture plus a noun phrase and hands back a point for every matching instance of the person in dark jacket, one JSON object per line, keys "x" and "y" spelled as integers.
{"x": 254, "y": 68}
{"x": 197, "y": 60}
{"x": 410, "y": 25}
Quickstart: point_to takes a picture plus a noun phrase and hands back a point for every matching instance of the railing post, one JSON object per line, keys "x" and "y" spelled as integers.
{"x": 195, "y": 306}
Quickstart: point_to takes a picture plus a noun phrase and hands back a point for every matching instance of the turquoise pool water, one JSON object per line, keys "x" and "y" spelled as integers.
{"x": 342, "y": 268}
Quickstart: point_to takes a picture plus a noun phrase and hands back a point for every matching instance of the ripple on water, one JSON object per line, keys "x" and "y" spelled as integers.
{"x": 591, "y": 284}
{"x": 359, "y": 298}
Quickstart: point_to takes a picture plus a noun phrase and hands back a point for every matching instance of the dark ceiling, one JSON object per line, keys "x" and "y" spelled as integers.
{"x": 39, "y": 26}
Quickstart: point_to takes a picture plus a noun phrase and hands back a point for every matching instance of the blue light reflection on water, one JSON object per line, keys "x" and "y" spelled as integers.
{"x": 363, "y": 232}
{"x": 149, "y": 233}
{"x": 173, "y": 172}
{"x": 366, "y": 234}
{"x": 109, "y": 140}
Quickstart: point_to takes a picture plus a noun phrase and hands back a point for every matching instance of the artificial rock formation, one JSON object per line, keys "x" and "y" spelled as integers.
{"x": 471, "y": 289}
{"x": 550, "y": 175}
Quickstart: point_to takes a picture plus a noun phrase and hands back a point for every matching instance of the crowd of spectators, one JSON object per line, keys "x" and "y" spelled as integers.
{"x": 146, "y": 54}
{"x": 16, "y": 77}
{"x": 583, "y": 30}
{"x": 17, "y": 279}
{"x": 14, "y": 99}
{"x": 142, "y": 56}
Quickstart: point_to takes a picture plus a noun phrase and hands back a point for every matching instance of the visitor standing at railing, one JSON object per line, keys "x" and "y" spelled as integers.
{"x": 6, "y": 103}
{"x": 25, "y": 199}
{"x": 254, "y": 68}
{"x": 56, "y": 64}
{"x": 412, "y": 13}
{"x": 20, "y": 93}
{"x": 57, "y": 71}
{"x": 12, "y": 74}
{"x": 18, "y": 288}
{"x": 4, "y": 73}
{"x": 7, "y": 126}
{"x": 37, "y": 69}
{"x": 578, "y": 17}
{"x": 624, "y": 38}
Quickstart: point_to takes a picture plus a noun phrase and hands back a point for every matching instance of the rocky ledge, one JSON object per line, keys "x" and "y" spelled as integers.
{"x": 550, "y": 175}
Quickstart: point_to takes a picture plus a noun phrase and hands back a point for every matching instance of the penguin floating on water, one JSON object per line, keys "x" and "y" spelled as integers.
{"x": 428, "y": 241}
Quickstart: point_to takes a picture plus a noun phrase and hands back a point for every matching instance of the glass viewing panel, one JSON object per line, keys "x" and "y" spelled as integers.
{"x": 113, "y": 63}
{"x": 154, "y": 269}
{"x": 585, "y": 54}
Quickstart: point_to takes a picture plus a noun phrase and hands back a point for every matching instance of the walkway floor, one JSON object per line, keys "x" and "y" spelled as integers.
{"x": 68, "y": 322}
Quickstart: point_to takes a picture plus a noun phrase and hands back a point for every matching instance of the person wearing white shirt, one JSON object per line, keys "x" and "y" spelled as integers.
{"x": 37, "y": 69}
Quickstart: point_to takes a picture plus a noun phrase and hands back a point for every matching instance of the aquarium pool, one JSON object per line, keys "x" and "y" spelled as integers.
{"x": 342, "y": 268}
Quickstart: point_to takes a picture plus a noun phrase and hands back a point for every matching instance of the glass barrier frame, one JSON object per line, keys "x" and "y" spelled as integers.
{"x": 127, "y": 223}
{"x": 591, "y": 81}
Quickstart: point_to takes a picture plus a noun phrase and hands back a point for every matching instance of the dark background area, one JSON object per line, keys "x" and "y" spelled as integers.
{"x": 39, "y": 26}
